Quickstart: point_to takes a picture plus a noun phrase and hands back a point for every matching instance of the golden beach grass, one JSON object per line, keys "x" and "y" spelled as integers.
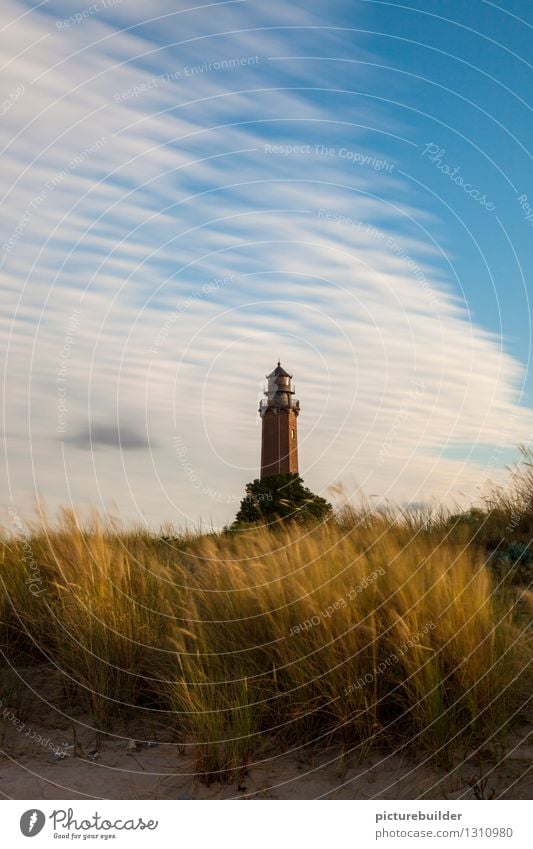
{"x": 363, "y": 631}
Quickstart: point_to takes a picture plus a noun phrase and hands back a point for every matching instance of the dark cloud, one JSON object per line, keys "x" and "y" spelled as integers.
{"x": 110, "y": 435}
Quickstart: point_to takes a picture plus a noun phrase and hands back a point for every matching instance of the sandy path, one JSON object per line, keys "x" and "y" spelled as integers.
{"x": 124, "y": 769}
{"x": 165, "y": 771}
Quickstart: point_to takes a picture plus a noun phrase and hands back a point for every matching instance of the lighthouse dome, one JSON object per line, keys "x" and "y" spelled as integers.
{"x": 279, "y": 371}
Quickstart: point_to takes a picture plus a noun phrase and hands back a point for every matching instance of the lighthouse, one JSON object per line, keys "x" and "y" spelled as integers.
{"x": 279, "y": 434}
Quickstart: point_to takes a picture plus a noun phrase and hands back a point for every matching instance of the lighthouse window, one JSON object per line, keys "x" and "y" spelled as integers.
{"x": 292, "y": 433}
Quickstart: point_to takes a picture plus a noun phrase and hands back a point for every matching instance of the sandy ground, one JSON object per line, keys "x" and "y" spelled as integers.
{"x": 140, "y": 763}
{"x": 163, "y": 773}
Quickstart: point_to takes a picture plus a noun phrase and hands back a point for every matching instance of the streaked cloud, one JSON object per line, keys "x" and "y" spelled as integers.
{"x": 333, "y": 265}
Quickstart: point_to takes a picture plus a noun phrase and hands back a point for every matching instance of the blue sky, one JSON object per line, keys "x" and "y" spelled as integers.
{"x": 187, "y": 197}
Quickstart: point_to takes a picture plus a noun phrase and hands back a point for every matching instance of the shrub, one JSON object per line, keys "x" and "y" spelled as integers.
{"x": 281, "y": 497}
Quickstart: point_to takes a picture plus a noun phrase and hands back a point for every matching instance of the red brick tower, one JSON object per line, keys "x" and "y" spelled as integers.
{"x": 279, "y": 413}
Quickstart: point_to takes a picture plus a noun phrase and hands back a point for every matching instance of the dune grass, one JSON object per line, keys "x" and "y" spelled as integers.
{"x": 364, "y": 631}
